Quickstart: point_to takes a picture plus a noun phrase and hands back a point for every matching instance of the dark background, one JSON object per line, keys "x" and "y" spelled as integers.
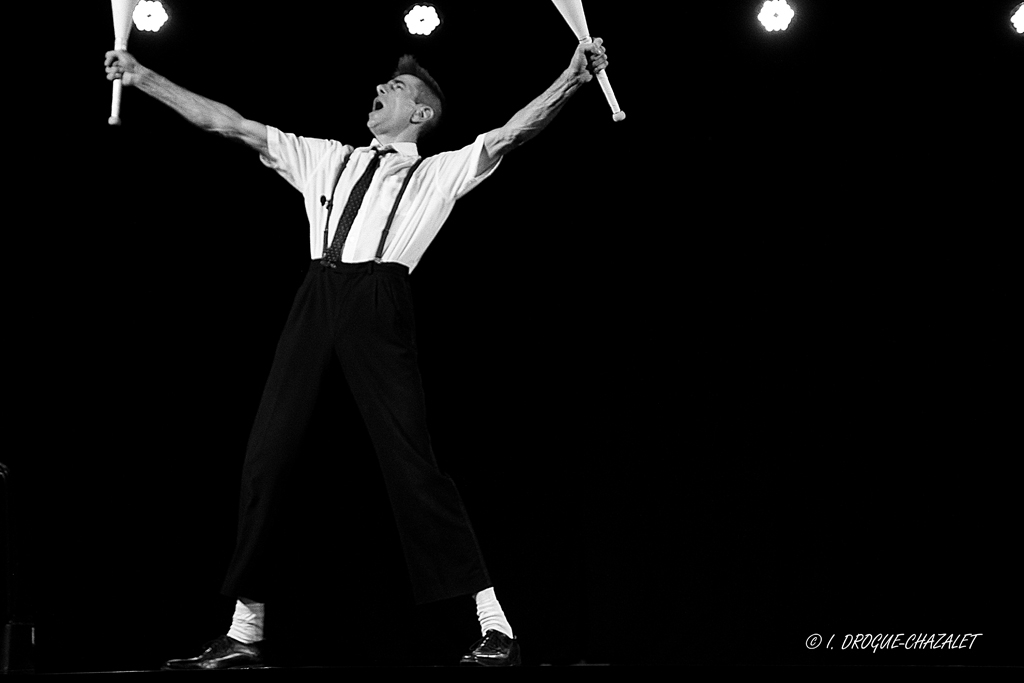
{"x": 731, "y": 372}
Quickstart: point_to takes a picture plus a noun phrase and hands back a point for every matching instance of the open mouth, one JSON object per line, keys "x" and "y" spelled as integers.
{"x": 377, "y": 105}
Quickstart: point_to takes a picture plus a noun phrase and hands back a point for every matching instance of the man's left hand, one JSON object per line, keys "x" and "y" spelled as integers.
{"x": 588, "y": 60}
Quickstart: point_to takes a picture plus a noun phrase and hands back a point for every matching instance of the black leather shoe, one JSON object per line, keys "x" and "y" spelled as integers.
{"x": 494, "y": 649}
{"x": 223, "y": 653}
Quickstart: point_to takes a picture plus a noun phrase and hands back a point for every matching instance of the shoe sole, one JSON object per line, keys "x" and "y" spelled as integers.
{"x": 220, "y": 668}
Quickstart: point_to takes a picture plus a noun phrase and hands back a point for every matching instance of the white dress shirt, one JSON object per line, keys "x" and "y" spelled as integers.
{"x": 310, "y": 165}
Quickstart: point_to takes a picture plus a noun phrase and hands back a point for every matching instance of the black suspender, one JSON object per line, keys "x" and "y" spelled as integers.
{"x": 330, "y": 202}
{"x": 394, "y": 209}
{"x": 391, "y": 217}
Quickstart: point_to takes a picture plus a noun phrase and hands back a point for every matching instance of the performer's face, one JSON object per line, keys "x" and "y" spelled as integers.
{"x": 395, "y": 104}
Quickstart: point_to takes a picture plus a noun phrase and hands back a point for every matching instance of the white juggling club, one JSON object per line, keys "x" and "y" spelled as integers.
{"x": 122, "y": 11}
{"x": 572, "y": 12}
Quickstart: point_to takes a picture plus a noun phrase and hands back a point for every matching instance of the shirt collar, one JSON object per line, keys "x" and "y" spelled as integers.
{"x": 404, "y": 148}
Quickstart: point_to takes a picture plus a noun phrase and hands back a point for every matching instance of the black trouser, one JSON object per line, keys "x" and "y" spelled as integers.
{"x": 363, "y": 313}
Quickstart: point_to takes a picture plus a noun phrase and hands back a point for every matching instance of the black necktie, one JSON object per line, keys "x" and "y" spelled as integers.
{"x": 355, "y": 198}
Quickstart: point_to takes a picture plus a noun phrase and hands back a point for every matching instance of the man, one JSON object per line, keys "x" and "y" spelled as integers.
{"x": 372, "y": 212}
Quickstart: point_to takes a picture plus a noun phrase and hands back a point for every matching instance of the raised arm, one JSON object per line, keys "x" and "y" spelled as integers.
{"x": 200, "y": 111}
{"x": 588, "y": 59}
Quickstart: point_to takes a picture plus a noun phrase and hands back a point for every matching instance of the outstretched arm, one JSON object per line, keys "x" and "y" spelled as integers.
{"x": 200, "y": 111}
{"x": 588, "y": 59}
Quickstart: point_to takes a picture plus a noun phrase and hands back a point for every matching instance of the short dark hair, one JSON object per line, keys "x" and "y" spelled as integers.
{"x": 433, "y": 97}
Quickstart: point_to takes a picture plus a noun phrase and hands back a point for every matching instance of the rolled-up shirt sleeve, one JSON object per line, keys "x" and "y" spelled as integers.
{"x": 296, "y": 159}
{"x": 456, "y": 171}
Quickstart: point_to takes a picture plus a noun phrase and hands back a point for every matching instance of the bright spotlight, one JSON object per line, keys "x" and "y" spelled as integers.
{"x": 1018, "y": 19}
{"x": 421, "y": 20}
{"x": 149, "y": 16}
{"x": 775, "y": 15}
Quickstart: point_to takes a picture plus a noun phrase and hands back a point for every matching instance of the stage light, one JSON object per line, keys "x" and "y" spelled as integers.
{"x": 1017, "y": 19}
{"x": 421, "y": 20}
{"x": 149, "y": 16}
{"x": 775, "y": 15}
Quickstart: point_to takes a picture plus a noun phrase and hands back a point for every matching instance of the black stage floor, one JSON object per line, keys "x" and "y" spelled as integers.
{"x": 314, "y": 673}
{"x": 608, "y": 672}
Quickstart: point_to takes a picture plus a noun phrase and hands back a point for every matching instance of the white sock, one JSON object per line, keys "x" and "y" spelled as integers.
{"x": 488, "y": 611}
{"x": 247, "y": 623}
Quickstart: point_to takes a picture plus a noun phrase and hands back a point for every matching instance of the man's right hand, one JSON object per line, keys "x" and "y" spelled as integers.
{"x": 121, "y": 65}
{"x": 200, "y": 111}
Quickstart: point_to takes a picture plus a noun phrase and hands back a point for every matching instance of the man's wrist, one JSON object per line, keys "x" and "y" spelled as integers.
{"x": 572, "y": 78}
{"x": 142, "y": 76}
